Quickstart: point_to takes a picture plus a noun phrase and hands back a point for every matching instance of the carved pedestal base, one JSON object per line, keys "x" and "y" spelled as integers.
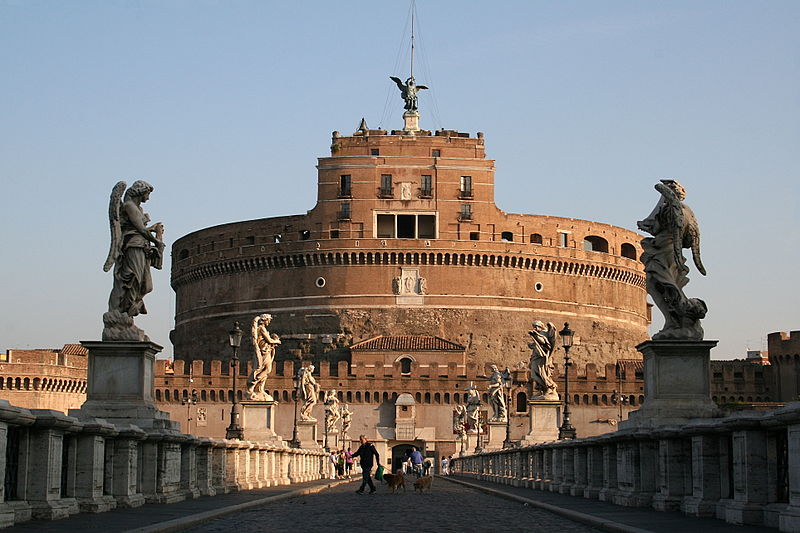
{"x": 120, "y": 385}
{"x": 544, "y": 417}
{"x": 333, "y": 440}
{"x": 258, "y": 421}
{"x": 307, "y": 434}
{"x": 676, "y": 383}
{"x": 495, "y": 436}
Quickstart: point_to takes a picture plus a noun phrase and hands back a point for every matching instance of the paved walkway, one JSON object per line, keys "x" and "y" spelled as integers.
{"x": 454, "y": 505}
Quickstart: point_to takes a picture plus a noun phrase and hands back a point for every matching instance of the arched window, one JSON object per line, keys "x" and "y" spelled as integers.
{"x": 456, "y": 398}
{"x": 522, "y": 402}
{"x": 418, "y": 397}
{"x": 507, "y": 236}
{"x": 427, "y": 397}
{"x": 405, "y": 365}
{"x": 166, "y": 395}
{"x": 203, "y": 396}
{"x": 536, "y": 238}
{"x": 367, "y": 398}
{"x": 437, "y": 398}
{"x": 593, "y": 243}
{"x": 628, "y": 250}
{"x": 446, "y": 397}
{"x": 158, "y": 395}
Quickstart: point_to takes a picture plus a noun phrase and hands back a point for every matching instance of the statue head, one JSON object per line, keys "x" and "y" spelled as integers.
{"x": 265, "y": 318}
{"x": 680, "y": 192}
{"x": 139, "y": 189}
{"x": 537, "y": 325}
{"x": 493, "y": 368}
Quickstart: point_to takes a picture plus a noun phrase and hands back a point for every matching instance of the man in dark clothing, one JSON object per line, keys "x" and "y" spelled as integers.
{"x": 365, "y": 453}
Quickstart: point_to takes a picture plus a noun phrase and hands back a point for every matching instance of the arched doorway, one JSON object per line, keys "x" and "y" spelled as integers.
{"x": 400, "y": 453}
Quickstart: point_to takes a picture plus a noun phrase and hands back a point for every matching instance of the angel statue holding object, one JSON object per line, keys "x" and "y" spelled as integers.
{"x": 309, "y": 391}
{"x": 543, "y": 341}
{"x": 673, "y": 227}
{"x": 408, "y": 91}
{"x": 498, "y": 382}
{"x": 264, "y": 344}
{"x": 135, "y": 247}
{"x": 331, "y": 410}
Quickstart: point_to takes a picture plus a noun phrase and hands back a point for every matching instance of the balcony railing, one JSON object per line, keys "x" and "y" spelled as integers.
{"x": 464, "y": 217}
{"x": 426, "y": 193}
{"x": 385, "y": 192}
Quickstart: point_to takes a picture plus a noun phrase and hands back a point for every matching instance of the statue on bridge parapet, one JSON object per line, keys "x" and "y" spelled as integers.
{"x": 472, "y": 407}
{"x": 497, "y": 393}
{"x": 135, "y": 248}
{"x": 543, "y": 339}
{"x": 331, "y": 410}
{"x": 264, "y": 344}
{"x": 309, "y": 391}
{"x": 347, "y": 419}
{"x": 673, "y": 227}
{"x": 459, "y": 426}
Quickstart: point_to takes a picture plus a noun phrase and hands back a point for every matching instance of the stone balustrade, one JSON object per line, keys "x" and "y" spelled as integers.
{"x": 744, "y": 469}
{"x": 55, "y": 465}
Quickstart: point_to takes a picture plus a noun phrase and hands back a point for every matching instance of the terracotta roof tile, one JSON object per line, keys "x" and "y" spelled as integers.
{"x": 408, "y": 343}
{"x": 74, "y": 349}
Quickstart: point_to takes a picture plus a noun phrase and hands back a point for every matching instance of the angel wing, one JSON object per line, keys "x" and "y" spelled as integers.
{"x": 113, "y": 219}
{"x": 672, "y": 215}
{"x": 422, "y": 87}
{"x": 399, "y": 82}
{"x": 551, "y": 335}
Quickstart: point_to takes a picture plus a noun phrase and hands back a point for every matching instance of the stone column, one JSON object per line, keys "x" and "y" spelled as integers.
{"x": 13, "y": 437}
{"x": 706, "y": 476}
{"x": 283, "y": 475}
{"x": 567, "y": 469}
{"x": 790, "y": 518}
{"x": 611, "y": 465}
{"x": 674, "y": 467}
{"x": 232, "y": 466}
{"x": 594, "y": 471}
{"x": 90, "y": 474}
{"x": 220, "y": 466}
{"x": 636, "y": 473}
{"x": 125, "y": 486}
{"x": 189, "y": 477}
{"x": 543, "y": 419}
{"x": 48, "y": 437}
{"x": 558, "y": 470}
{"x": 580, "y": 470}
{"x": 205, "y": 467}
{"x": 750, "y": 477}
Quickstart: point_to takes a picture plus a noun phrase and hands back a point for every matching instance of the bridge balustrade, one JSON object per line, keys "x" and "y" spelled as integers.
{"x": 744, "y": 469}
{"x": 54, "y": 465}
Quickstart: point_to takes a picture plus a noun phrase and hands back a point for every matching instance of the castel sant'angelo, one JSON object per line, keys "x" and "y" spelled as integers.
{"x": 406, "y": 239}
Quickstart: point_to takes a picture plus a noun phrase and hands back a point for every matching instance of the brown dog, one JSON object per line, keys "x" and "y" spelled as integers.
{"x": 423, "y": 483}
{"x": 395, "y": 481}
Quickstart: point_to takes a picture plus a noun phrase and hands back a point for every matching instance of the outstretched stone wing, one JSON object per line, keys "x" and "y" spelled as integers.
{"x": 113, "y": 219}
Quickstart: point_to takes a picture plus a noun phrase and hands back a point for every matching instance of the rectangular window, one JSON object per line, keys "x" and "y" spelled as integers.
{"x": 385, "y": 226}
{"x": 474, "y": 235}
{"x": 344, "y": 212}
{"x": 386, "y": 185}
{"x": 334, "y": 234}
{"x": 344, "y": 185}
{"x": 466, "y": 212}
{"x": 562, "y": 239}
{"x": 426, "y": 186}
{"x": 436, "y": 153}
{"x": 405, "y": 226}
{"x": 426, "y": 226}
{"x": 375, "y": 151}
{"x": 466, "y": 187}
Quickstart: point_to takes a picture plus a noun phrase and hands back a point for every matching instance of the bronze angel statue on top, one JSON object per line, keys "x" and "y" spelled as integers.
{"x": 673, "y": 227}
{"x": 408, "y": 91}
{"x": 136, "y": 246}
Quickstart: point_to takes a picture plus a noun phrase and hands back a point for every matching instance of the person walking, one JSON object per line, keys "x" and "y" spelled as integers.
{"x": 445, "y": 462}
{"x": 416, "y": 461}
{"x": 366, "y": 452}
{"x": 348, "y": 460}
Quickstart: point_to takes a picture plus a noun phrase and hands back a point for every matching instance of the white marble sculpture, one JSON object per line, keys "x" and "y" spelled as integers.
{"x": 309, "y": 391}
{"x": 542, "y": 344}
{"x": 459, "y": 426}
{"x": 473, "y": 404}
{"x": 264, "y": 344}
{"x": 497, "y": 393}
{"x": 331, "y": 410}
{"x": 347, "y": 419}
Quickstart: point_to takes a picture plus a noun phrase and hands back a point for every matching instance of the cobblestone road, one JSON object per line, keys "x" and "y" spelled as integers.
{"x": 448, "y": 508}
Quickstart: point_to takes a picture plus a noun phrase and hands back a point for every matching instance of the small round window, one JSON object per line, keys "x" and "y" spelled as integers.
{"x": 320, "y": 282}
{"x": 538, "y": 287}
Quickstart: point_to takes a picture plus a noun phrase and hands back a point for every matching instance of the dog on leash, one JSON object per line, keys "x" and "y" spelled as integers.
{"x": 395, "y": 481}
{"x": 423, "y": 483}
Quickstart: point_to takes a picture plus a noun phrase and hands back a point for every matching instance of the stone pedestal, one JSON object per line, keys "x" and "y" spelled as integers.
{"x": 307, "y": 434}
{"x": 543, "y": 417}
{"x": 676, "y": 384}
{"x": 495, "y": 436}
{"x": 120, "y": 385}
{"x": 258, "y": 421}
{"x": 411, "y": 121}
{"x": 333, "y": 440}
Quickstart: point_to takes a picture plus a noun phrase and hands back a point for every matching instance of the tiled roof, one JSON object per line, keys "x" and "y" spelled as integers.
{"x": 637, "y": 364}
{"x": 408, "y": 343}
{"x": 74, "y": 349}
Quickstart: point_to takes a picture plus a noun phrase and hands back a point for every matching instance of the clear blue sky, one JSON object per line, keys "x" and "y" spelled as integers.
{"x": 225, "y": 106}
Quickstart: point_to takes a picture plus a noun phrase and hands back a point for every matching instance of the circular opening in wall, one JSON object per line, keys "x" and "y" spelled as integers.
{"x": 320, "y": 282}
{"x": 538, "y": 287}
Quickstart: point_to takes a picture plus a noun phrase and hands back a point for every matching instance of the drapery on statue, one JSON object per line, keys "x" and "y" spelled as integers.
{"x": 264, "y": 344}
{"x": 346, "y": 415}
{"x": 543, "y": 341}
{"x": 472, "y": 407}
{"x": 497, "y": 393}
{"x": 408, "y": 91}
{"x": 331, "y": 410}
{"x": 135, "y": 247}
{"x": 309, "y": 390}
{"x": 459, "y": 426}
{"x": 673, "y": 227}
